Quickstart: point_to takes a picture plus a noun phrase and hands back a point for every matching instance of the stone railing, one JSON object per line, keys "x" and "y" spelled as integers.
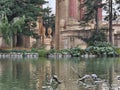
{"x": 19, "y": 55}
{"x": 59, "y": 55}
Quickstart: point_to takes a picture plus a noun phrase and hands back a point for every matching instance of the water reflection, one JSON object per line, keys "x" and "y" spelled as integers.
{"x": 35, "y": 74}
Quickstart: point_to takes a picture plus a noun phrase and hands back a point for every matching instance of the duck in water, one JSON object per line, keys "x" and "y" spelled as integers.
{"x": 84, "y": 77}
{"x": 92, "y": 76}
{"x": 55, "y": 79}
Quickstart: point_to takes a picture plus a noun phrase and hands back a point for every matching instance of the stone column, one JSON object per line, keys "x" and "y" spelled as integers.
{"x": 73, "y": 9}
{"x": 100, "y": 14}
{"x": 56, "y": 38}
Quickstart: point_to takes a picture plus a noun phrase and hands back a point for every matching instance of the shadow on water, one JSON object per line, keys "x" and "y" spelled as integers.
{"x": 37, "y": 74}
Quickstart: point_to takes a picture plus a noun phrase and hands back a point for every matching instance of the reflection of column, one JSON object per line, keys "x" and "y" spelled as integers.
{"x": 48, "y": 70}
{"x": 111, "y": 76}
{"x": 73, "y": 9}
{"x": 113, "y": 37}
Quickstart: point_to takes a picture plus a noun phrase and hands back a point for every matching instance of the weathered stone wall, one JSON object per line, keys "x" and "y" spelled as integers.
{"x": 66, "y": 14}
{"x": 68, "y": 28}
{"x": 2, "y": 43}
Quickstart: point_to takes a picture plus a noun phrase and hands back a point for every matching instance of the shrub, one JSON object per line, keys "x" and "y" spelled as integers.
{"x": 75, "y": 52}
{"x": 34, "y": 50}
{"x": 117, "y": 50}
{"x": 65, "y": 51}
{"x": 42, "y": 52}
{"x": 52, "y": 51}
{"x": 4, "y": 51}
{"x": 97, "y": 36}
{"x": 102, "y": 48}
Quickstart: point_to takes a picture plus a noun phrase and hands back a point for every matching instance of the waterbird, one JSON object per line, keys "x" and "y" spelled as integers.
{"x": 94, "y": 76}
{"x": 55, "y": 78}
{"x": 84, "y": 77}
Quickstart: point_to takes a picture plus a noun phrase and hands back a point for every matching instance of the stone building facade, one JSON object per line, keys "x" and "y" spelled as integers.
{"x": 68, "y": 13}
{"x": 68, "y": 30}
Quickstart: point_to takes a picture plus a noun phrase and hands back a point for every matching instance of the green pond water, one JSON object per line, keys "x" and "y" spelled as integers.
{"x": 35, "y": 74}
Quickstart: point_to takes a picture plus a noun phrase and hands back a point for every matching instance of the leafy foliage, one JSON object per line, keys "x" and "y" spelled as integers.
{"x": 91, "y": 6}
{"x": 21, "y": 16}
{"x": 75, "y": 52}
{"x": 5, "y": 29}
{"x": 48, "y": 19}
{"x": 115, "y": 9}
{"x": 14, "y": 8}
{"x": 17, "y": 24}
{"x": 52, "y": 51}
{"x": 97, "y": 36}
{"x": 42, "y": 52}
{"x": 30, "y": 9}
{"x": 117, "y": 50}
{"x": 9, "y": 29}
{"x": 101, "y": 49}
{"x": 90, "y": 9}
{"x": 98, "y": 49}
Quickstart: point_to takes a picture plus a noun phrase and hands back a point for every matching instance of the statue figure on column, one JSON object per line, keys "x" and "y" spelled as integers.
{"x": 49, "y": 32}
{"x": 62, "y": 24}
{"x": 43, "y": 36}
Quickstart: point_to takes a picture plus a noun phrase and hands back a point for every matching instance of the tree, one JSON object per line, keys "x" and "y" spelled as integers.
{"x": 91, "y": 11}
{"x": 112, "y": 9}
{"x": 16, "y": 28}
{"x": 5, "y": 29}
{"x": 98, "y": 36}
{"x": 30, "y": 9}
{"x": 9, "y": 30}
{"x": 110, "y": 22}
{"x": 49, "y": 19}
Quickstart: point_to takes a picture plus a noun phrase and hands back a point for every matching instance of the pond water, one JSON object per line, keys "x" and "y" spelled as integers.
{"x": 35, "y": 74}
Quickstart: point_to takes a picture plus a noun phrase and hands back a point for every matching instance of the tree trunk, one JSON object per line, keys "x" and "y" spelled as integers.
{"x": 19, "y": 42}
{"x": 110, "y": 22}
{"x": 96, "y": 19}
{"x": 14, "y": 40}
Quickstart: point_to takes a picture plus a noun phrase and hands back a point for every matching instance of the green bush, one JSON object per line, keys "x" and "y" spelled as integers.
{"x": 97, "y": 36}
{"x": 75, "y": 52}
{"x": 34, "y": 50}
{"x": 42, "y": 52}
{"x": 52, "y": 51}
{"x": 101, "y": 49}
{"x": 117, "y": 50}
{"x": 14, "y": 50}
{"x": 65, "y": 51}
{"x": 4, "y": 51}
